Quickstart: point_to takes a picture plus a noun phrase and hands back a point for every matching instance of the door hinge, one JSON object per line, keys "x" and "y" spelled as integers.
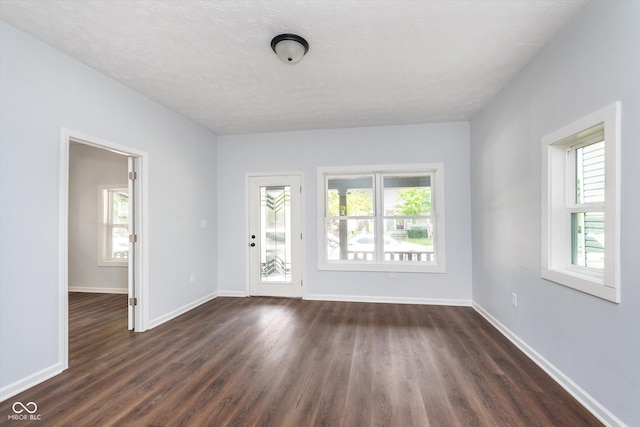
{"x": 133, "y": 238}
{"x": 301, "y": 189}
{"x": 133, "y": 176}
{"x": 133, "y": 301}
{"x": 301, "y": 283}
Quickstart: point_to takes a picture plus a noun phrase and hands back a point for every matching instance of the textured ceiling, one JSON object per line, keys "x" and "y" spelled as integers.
{"x": 369, "y": 63}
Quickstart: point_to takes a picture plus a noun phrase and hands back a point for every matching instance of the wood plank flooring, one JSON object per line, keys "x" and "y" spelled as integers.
{"x": 285, "y": 362}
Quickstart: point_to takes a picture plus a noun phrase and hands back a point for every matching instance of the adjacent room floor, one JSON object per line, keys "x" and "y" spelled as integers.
{"x": 288, "y": 362}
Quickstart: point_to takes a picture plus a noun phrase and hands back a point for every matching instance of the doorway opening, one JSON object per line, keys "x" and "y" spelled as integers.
{"x": 119, "y": 227}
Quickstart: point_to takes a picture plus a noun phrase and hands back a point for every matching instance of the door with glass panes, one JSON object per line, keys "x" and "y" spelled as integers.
{"x": 275, "y": 239}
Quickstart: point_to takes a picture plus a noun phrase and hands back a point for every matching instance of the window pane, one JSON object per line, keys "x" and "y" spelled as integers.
{"x": 590, "y": 173}
{"x": 407, "y": 195}
{"x": 408, "y": 239}
{"x": 350, "y": 240}
{"x": 587, "y": 236}
{"x": 351, "y": 196}
{"x": 120, "y": 207}
{"x": 119, "y": 243}
{"x": 275, "y": 217}
{"x": 115, "y": 225}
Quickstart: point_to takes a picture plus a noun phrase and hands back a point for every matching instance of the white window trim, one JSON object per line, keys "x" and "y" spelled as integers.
{"x": 102, "y": 260}
{"x": 438, "y": 205}
{"x": 556, "y": 202}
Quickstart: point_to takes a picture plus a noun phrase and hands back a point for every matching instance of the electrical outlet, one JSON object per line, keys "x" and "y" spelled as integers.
{"x": 203, "y": 223}
{"x": 514, "y": 299}
{"x": 392, "y": 275}
{"x": 192, "y": 278}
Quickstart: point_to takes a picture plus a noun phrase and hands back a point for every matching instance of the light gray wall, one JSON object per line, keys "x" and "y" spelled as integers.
{"x": 305, "y": 152}
{"x": 592, "y": 63}
{"x": 44, "y": 90}
{"x": 91, "y": 168}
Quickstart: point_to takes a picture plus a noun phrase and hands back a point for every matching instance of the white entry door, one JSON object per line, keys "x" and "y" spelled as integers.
{"x": 275, "y": 239}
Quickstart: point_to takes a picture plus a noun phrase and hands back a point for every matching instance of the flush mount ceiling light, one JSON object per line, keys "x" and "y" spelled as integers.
{"x": 290, "y": 48}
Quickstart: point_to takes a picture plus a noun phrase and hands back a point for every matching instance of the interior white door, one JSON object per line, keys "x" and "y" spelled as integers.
{"x": 131, "y": 301}
{"x": 275, "y": 239}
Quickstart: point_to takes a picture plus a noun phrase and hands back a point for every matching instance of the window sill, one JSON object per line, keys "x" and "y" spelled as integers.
{"x": 387, "y": 268}
{"x": 586, "y": 283}
{"x": 103, "y": 263}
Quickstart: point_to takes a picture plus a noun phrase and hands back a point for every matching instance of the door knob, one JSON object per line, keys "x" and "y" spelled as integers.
{"x": 253, "y": 236}
{"x": 253, "y": 244}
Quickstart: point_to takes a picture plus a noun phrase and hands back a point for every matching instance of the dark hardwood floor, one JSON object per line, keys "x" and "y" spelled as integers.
{"x": 285, "y": 362}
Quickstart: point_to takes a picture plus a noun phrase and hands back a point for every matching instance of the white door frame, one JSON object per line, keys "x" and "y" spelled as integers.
{"x": 140, "y": 260}
{"x": 133, "y": 190}
{"x": 247, "y": 222}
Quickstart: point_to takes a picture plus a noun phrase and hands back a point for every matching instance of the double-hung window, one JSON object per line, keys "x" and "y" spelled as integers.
{"x": 580, "y": 179}
{"x": 381, "y": 218}
{"x": 113, "y": 248}
{"x": 586, "y": 200}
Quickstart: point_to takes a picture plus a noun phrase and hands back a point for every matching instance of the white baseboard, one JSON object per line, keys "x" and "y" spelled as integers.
{"x": 181, "y": 310}
{"x": 98, "y": 290}
{"x": 238, "y": 294}
{"x": 591, "y": 404}
{"x": 34, "y": 379}
{"x": 387, "y": 300}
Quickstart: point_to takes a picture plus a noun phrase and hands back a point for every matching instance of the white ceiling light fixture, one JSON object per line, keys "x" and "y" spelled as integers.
{"x": 290, "y": 48}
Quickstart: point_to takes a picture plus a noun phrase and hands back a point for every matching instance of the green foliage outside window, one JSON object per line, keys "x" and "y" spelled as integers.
{"x": 415, "y": 201}
{"x": 359, "y": 203}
